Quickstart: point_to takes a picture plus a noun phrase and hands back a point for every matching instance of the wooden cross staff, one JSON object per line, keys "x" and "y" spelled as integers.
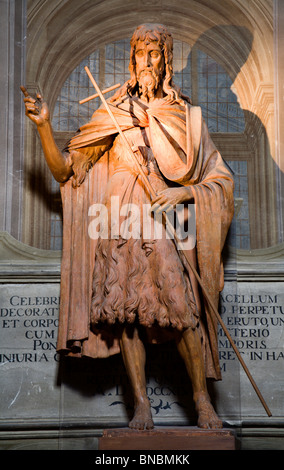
{"x": 92, "y": 97}
{"x": 172, "y": 232}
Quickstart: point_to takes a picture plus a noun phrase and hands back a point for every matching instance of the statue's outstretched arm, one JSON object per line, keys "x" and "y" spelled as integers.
{"x": 38, "y": 112}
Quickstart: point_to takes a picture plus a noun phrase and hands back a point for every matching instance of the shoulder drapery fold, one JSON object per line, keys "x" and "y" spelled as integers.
{"x": 175, "y": 134}
{"x": 102, "y": 126}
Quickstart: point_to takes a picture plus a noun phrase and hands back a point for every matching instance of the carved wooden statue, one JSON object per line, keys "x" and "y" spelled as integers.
{"x": 118, "y": 291}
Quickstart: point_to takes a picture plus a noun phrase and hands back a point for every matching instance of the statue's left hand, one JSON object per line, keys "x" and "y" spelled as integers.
{"x": 168, "y": 198}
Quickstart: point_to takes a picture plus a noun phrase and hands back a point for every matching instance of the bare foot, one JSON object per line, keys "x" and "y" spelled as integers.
{"x": 207, "y": 417}
{"x": 142, "y": 418}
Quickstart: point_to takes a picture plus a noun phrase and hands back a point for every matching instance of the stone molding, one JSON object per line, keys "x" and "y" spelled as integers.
{"x": 21, "y": 262}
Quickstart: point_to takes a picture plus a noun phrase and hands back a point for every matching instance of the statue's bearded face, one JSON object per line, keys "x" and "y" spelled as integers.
{"x": 150, "y": 67}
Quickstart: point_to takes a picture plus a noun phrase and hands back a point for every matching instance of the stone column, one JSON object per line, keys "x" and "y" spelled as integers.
{"x": 279, "y": 104}
{"x": 12, "y": 60}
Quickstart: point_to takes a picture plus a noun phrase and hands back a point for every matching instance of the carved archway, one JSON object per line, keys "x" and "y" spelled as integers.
{"x": 237, "y": 34}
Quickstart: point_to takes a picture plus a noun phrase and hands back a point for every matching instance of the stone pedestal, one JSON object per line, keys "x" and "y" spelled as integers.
{"x": 165, "y": 438}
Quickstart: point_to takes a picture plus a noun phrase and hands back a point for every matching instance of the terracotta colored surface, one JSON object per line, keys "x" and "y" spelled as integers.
{"x": 167, "y": 439}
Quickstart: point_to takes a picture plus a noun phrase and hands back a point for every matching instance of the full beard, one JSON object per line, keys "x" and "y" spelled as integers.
{"x": 148, "y": 81}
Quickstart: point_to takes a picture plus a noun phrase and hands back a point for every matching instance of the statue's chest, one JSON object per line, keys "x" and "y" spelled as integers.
{"x": 139, "y": 142}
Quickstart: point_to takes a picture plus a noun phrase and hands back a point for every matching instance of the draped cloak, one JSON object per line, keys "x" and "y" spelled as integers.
{"x": 185, "y": 156}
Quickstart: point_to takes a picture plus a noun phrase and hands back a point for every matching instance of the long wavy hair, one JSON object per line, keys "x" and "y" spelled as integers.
{"x": 159, "y": 34}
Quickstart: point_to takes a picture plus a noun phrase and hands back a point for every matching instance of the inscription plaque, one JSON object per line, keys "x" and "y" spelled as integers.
{"x": 254, "y": 317}
{"x": 28, "y": 358}
{"x": 37, "y": 387}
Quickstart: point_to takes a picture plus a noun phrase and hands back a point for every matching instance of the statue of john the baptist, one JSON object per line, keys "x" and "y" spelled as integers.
{"x": 118, "y": 291}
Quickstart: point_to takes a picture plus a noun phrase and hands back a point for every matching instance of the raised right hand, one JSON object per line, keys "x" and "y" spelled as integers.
{"x": 36, "y": 109}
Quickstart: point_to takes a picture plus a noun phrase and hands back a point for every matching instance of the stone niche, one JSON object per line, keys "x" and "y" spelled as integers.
{"x": 40, "y": 391}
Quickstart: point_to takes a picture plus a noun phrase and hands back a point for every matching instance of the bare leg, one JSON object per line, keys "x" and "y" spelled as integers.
{"x": 189, "y": 346}
{"x": 134, "y": 357}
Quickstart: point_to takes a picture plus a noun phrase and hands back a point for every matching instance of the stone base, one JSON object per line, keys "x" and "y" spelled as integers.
{"x": 164, "y": 438}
